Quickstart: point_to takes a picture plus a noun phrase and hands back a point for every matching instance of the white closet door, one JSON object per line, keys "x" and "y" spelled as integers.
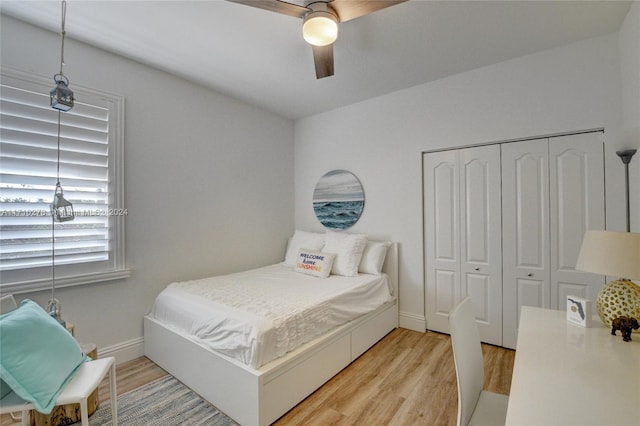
{"x": 480, "y": 238}
{"x": 441, "y": 225}
{"x": 525, "y": 231}
{"x": 577, "y": 204}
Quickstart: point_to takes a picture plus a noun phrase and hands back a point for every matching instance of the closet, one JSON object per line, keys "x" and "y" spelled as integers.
{"x": 503, "y": 224}
{"x": 462, "y": 236}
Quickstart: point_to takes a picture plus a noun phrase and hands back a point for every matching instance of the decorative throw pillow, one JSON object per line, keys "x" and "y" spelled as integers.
{"x": 7, "y": 304}
{"x": 4, "y": 389}
{"x": 39, "y": 356}
{"x": 348, "y": 249}
{"x": 300, "y": 240}
{"x": 315, "y": 263}
{"x": 373, "y": 257}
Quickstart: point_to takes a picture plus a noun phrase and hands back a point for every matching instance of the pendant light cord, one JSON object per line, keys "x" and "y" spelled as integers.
{"x": 53, "y": 260}
{"x": 53, "y": 222}
{"x": 63, "y": 33}
{"x": 58, "y": 159}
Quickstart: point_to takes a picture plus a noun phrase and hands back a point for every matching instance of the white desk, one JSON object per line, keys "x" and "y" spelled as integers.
{"x": 565, "y": 374}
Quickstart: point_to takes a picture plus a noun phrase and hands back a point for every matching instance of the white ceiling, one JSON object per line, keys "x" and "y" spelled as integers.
{"x": 260, "y": 56}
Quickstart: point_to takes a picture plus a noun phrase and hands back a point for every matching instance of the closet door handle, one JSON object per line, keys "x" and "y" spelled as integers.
{"x": 477, "y": 268}
{"x": 529, "y": 274}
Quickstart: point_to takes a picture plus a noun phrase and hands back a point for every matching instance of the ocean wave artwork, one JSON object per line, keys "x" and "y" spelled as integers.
{"x": 338, "y": 214}
{"x": 338, "y": 199}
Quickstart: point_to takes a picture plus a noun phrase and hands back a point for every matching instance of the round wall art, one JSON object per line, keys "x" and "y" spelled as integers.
{"x": 338, "y": 199}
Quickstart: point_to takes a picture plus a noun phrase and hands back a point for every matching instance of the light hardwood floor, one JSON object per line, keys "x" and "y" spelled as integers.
{"x": 408, "y": 378}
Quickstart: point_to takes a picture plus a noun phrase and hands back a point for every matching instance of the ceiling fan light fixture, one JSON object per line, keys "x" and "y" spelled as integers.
{"x": 320, "y": 28}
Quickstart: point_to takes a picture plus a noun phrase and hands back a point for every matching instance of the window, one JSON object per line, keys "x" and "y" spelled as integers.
{"x": 89, "y": 248}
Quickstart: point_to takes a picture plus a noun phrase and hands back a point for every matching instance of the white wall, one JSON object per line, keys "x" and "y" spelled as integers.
{"x": 630, "y": 84}
{"x": 380, "y": 140}
{"x": 208, "y": 183}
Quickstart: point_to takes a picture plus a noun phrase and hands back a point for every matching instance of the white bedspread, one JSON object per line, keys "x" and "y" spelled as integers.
{"x": 259, "y": 315}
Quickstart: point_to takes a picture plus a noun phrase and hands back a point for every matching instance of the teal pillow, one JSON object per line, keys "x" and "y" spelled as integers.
{"x": 37, "y": 355}
{"x": 4, "y": 389}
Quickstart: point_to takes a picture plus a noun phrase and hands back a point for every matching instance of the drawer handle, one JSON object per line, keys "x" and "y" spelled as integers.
{"x": 529, "y": 274}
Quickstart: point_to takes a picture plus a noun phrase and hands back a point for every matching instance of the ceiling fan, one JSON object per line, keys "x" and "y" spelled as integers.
{"x": 320, "y": 22}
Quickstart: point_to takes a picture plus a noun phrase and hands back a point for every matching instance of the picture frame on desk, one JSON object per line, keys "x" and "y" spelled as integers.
{"x": 579, "y": 311}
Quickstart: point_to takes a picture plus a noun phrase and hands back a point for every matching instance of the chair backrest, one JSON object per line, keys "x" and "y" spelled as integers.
{"x": 7, "y": 304}
{"x": 467, "y": 355}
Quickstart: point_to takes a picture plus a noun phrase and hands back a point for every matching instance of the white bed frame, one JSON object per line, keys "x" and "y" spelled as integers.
{"x": 260, "y": 397}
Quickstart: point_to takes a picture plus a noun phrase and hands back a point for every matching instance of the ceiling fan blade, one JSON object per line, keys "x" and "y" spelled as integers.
{"x": 277, "y": 6}
{"x": 323, "y": 59}
{"x": 351, "y": 9}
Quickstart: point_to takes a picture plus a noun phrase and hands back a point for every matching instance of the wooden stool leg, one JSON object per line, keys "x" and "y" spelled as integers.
{"x": 114, "y": 397}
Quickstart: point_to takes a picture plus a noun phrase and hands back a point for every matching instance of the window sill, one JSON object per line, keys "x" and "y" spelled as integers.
{"x": 70, "y": 281}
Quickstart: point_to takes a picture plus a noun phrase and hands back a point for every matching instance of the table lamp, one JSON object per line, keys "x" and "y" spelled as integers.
{"x": 615, "y": 254}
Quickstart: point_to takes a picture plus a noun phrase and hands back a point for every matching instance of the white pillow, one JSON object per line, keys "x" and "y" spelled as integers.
{"x": 348, "y": 249}
{"x": 315, "y": 263}
{"x": 373, "y": 257}
{"x": 302, "y": 239}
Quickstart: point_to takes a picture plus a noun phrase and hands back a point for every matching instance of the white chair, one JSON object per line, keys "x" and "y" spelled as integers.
{"x": 475, "y": 406}
{"x": 77, "y": 390}
{"x": 7, "y": 304}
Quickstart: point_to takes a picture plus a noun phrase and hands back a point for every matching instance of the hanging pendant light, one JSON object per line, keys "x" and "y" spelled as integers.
{"x": 61, "y": 209}
{"x": 61, "y": 98}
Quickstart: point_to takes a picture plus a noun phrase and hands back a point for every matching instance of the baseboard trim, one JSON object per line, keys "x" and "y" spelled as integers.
{"x": 124, "y": 351}
{"x": 412, "y": 322}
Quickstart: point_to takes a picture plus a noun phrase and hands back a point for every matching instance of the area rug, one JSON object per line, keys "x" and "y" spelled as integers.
{"x": 163, "y": 402}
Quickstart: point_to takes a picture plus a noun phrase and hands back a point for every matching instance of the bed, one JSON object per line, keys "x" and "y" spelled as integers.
{"x": 256, "y": 388}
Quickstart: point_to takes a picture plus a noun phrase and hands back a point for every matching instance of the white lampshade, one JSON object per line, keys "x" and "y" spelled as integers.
{"x": 320, "y": 28}
{"x": 616, "y": 254}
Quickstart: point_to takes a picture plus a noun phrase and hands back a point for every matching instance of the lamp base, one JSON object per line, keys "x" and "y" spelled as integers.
{"x": 619, "y": 298}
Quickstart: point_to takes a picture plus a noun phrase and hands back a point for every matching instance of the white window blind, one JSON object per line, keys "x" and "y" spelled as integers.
{"x": 90, "y": 247}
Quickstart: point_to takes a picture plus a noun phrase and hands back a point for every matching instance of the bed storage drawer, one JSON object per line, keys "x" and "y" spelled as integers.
{"x": 287, "y": 390}
{"x": 368, "y": 333}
